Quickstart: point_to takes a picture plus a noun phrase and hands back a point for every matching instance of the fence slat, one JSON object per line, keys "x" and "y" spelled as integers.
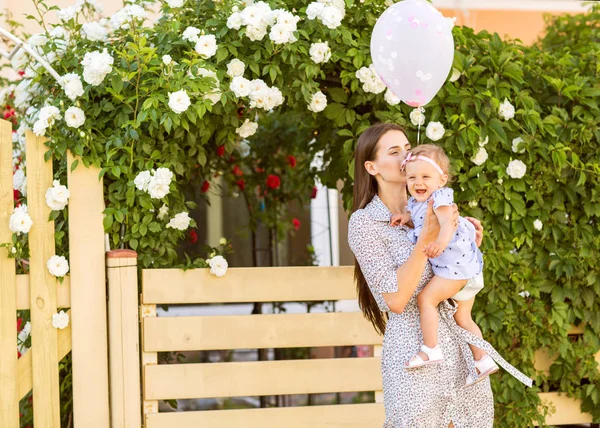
{"x": 25, "y": 369}
{"x": 88, "y": 297}
{"x": 46, "y": 412}
{"x": 281, "y": 284}
{"x": 63, "y": 293}
{"x": 369, "y": 415}
{"x": 9, "y": 416}
{"x": 258, "y": 331}
{"x": 171, "y": 381}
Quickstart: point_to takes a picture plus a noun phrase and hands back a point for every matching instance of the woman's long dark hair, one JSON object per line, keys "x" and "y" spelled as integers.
{"x": 365, "y": 187}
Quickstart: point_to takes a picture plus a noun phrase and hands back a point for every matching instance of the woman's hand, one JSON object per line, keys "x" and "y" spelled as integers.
{"x": 478, "y": 230}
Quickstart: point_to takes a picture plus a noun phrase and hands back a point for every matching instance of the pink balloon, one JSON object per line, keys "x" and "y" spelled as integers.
{"x": 412, "y": 49}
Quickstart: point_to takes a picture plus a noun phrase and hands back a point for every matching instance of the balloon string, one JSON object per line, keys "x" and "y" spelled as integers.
{"x": 419, "y": 132}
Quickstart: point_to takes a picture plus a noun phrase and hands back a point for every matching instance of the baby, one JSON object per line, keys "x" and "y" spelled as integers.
{"x": 454, "y": 256}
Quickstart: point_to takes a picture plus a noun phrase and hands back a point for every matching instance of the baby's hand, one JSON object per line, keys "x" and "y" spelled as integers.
{"x": 433, "y": 250}
{"x": 400, "y": 219}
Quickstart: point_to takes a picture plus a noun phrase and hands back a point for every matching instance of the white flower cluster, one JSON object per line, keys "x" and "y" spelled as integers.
{"x": 370, "y": 80}
{"x": 96, "y": 65}
{"x": 320, "y": 52}
{"x": 205, "y": 44}
{"x": 74, "y": 117}
{"x": 96, "y": 31}
{"x": 329, "y": 12}
{"x": 258, "y": 17}
{"x": 261, "y": 95}
{"x": 124, "y": 16}
{"x": 180, "y": 221}
{"x": 70, "y": 12}
{"x": 318, "y": 102}
{"x": 516, "y": 169}
{"x": 435, "y": 131}
{"x": 236, "y": 68}
{"x": 506, "y": 110}
{"x": 179, "y": 101}
{"x": 60, "y": 320}
{"x": 46, "y": 118}
{"x": 20, "y": 220}
{"x": 57, "y": 196}
{"x": 58, "y": 266}
{"x": 247, "y": 129}
{"x": 156, "y": 183}
{"x": 417, "y": 116}
{"x": 218, "y": 265}
{"x": 72, "y": 86}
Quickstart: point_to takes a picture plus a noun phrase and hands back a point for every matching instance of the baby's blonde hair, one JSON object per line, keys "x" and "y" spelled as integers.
{"x": 435, "y": 153}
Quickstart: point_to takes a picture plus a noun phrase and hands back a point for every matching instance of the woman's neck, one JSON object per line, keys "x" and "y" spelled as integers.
{"x": 394, "y": 197}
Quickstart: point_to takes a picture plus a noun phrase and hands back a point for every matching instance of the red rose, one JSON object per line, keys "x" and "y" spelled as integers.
{"x": 273, "y": 181}
{"x": 241, "y": 184}
{"x": 16, "y": 197}
{"x": 313, "y": 195}
{"x": 18, "y": 354}
{"x": 221, "y": 150}
{"x": 292, "y": 161}
{"x": 296, "y": 223}
{"x": 21, "y": 72}
{"x": 205, "y": 186}
{"x": 19, "y": 324}
{"x": 237, "y": 171}
{"x": 193, "y": 236}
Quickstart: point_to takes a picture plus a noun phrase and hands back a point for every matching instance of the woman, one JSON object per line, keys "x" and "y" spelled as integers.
{"x": 390, "y": 272}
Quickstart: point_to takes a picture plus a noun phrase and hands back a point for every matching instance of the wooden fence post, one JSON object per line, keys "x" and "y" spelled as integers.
{"x": 88, "y": 296}
{"x": 9, "y": 416}
{"x": 123, "y": 336}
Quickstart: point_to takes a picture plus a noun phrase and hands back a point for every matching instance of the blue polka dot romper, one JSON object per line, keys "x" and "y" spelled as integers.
{"x": 461, "y": 259}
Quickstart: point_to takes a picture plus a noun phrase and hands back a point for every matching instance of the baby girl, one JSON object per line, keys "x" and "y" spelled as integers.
{"x": 455, "y": 259}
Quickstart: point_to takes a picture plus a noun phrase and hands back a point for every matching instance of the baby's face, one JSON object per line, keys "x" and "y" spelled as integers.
{"x": 423, "y": 179}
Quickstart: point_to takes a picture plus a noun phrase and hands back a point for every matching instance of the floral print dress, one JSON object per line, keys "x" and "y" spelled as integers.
{"x": 431, "y": 396}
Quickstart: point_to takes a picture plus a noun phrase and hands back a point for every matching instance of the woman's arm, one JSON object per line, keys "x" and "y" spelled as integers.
{"x": 410, "y": 273}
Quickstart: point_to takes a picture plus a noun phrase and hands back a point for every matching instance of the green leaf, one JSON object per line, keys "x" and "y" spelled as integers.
{"x": 116, "y": 83}
{"x": 338, "y": 95}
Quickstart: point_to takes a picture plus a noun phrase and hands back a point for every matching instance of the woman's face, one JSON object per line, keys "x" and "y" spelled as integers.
{"x": 391, "y": 151}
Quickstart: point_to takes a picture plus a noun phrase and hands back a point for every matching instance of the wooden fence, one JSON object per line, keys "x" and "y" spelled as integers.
{"x": 98, "y": 342}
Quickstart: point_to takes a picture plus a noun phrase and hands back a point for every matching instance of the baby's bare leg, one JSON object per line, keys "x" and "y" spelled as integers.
{"x": 438, "y": 290}
{"x": 463, "y": 319}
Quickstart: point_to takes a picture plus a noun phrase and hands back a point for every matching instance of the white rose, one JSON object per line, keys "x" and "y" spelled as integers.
{"x": 484, "y": 142}
{"x": 94, "y": 32}
{"x": 20, "y": 220}
{"x": 96, "y": 65}
{"x": 72, "y": 85}
{"x": 58, "y": 266}
{"x": 516, "y": 143}
{"x": 318, "y": 102}
{"x": 247, "y": 129}
{"x": 163, "y": 175}
{"x": 320, "y": 52}
{"x": 181, "y": 221}
{"x": 256, "y": 32}
{"x": 49, "y": 114}
{"x": 417, "y": 116}
{"x": 314, "y": 10}
{"x": 240, "y": 86}
{"x": 60, "y": 320}
{"x": 480, "y": 157}
{"x": 157, "y": 189}
{"x": 280, "y": 34}
{"x": 190, "y": 34}
{"x": 129, "y": 13}
{"x": 235, "y": 21}
{"x": 68, "y": 13}
{"x": 524, "y": 294}
{"x": 142, "y": 180}
{"x": 213, "y": 97}
{"x": 218, "y": 265}
{"x": 175, "y": 3}
{"x": 391, "y": 98}
{"x": 57, "y": 196}
{"x": 18, "y": 179}
{"x": 538, "y": 224}
{"x": 332, "y": 17}
{"x": 74, "y": 117}
{"x": 252, "y": 15}
{"x": 206, "y": 46}
{"x": 473, "y": 204}
{"x": 516, "y": 169}
{"x": 506, "y": 110}
{"x": 435, "y": 131}
{"x": 258, "y": 85}
{"x": 235, "y": 68}
{"x": 19, "y": 61}
{"x": 274, "y": 98}
{"x": 455, "y": 75}
{"x": 166, "y": 59}
{"x": 163, "y": 212}
{"x": 203, "y": 72}
{"x": 179, "y": 101}
{"x": 244, "y": 148}
{"x": 223, "y": 241}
